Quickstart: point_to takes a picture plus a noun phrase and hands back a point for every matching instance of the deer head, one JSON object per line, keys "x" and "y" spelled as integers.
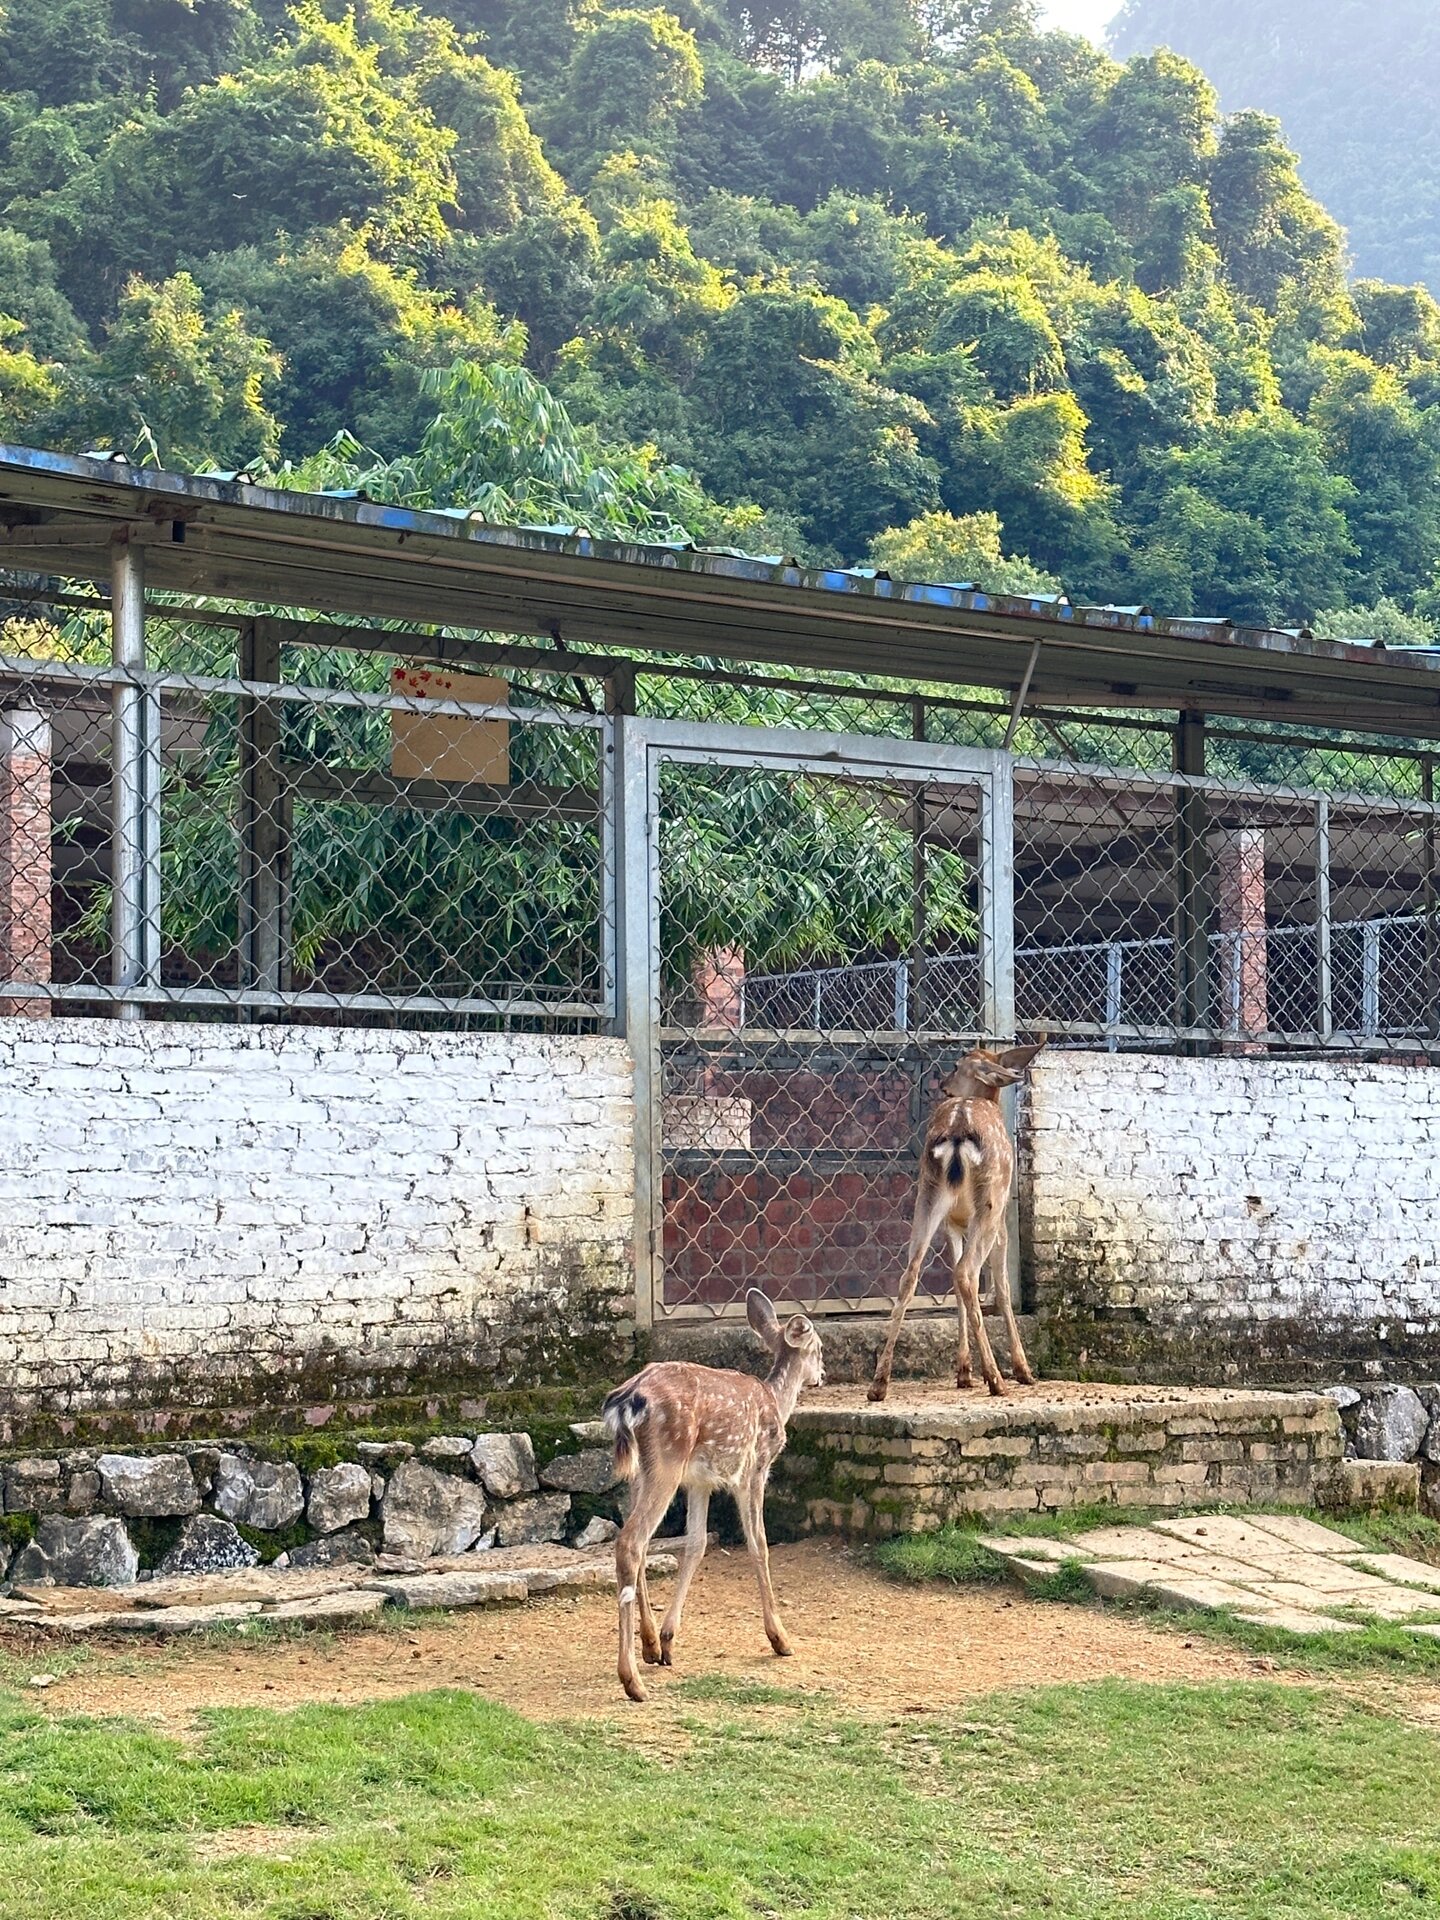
{"x": 794, "y": 1343}
{"x": 981, "y": 1074}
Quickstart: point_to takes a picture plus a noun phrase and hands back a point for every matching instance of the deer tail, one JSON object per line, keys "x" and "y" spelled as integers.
{"x": 623, "y": 1412}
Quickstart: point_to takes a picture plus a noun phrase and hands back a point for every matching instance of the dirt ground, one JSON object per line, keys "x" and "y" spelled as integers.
{"x": 870, "y": 1646}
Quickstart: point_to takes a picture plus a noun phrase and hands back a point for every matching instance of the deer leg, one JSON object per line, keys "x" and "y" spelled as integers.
{"x": 978, "y": 1242}
{"x": 999, "y": 1264}
{"x": 752, "y": 1519}
{"x": 697, "y": 1514}
{"x": 653, "y": 1495}
{"x": 930, "y": 1209}
{"x": 963, "y": 1376}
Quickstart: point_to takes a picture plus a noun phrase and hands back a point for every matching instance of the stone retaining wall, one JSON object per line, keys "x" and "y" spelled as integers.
{"x": 873, "y": 1472}
{"x": 82, "y": 1517}
{"x": 208, "y": 1215}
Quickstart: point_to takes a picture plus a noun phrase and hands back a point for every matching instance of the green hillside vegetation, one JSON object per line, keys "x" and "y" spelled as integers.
{"x": 904, "y": 282}
{"x": 1358, "y": 90}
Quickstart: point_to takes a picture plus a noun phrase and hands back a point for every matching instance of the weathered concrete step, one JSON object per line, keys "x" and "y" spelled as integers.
{"x": 331, "y": 1597}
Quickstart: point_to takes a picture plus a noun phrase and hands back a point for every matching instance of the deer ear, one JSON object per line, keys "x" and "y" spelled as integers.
{"x": 797, "y": 1330}
{"x": 990, "y": 1073}
{"x": 761, "y": 1315}
{"x": 1019, "y": 1058}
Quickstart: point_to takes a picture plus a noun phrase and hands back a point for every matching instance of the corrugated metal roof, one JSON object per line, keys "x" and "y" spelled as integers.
{"x": 221, "y": 535}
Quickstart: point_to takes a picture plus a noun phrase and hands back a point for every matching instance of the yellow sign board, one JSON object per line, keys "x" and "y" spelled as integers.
{"x": 448, "y": 746}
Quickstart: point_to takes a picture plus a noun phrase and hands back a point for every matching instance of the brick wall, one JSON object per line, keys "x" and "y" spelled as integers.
{"x": 1234, "y": 1218}
{"x": 194, "y": 1213}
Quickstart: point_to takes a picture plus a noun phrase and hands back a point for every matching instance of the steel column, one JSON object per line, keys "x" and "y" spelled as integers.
{"x": 637, "y": 989}
{"x": 1324, "y": 970}
{"x": 1192, "y": 951}
{"x": 134, "y": 789}
{"x": 265, "y": 809}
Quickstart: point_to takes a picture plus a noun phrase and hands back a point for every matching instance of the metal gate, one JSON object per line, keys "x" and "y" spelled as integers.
{"x": 813, "y": 926}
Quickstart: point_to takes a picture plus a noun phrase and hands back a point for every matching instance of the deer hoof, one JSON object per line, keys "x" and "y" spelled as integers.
{"x": 1024, "y": 1377}
{"x": 965, "y": 1380}
{"x": 667, "y": 1642}
{"x": 633, "y": 1690}
{"x": 878, "y": 1389}
{"x": 998, "y": 1389}
{"x": 782, "y": 1646}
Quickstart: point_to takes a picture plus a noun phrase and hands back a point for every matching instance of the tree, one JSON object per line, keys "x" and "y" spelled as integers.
{"x": 953, "y": 550}
{"x": 501, "y": 445}
{"x": 354, "y": 337}
{"x": 788, "y": 411}
{"x": 175, "y": 386}
{"x": 633, "y": 72}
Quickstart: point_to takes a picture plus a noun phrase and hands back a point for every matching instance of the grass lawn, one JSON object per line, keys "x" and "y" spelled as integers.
{"x": 1245, "y": 1799}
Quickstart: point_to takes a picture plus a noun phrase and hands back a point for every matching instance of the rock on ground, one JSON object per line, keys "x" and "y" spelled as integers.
{"x": 93, "y": 1552}
{"x": 455, "y": 1590}
{"x": 1391, "y": 1424}
{"x": 208, "y": 1544}
{"x": 540, "y": 1518}
{"x": 158, "y": 1487}
{"x": 590, "y": 1472}
{"x": 33, "y": 1486}
{"x": 258, "y": 1493}
{"x": 425, "y": 1512}
{"x": 329, "y": 1609}
{"x": 338, "y": 1496}
{"x": 505, "y": 1464}
{"x": 335, "y": 1550}
{"x": 598, "y": 1532}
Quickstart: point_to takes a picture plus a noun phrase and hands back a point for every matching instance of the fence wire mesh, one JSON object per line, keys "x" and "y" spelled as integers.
{"x": 298, "y": 828}
{"x": 798, "y": 1053}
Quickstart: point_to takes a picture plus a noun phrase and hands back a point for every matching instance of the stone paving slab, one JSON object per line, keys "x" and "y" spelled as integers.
{"x": 1296, "y": 1620}
{"x": 1296, "y": 1531}
{"x": 453, "y": 1590}
{"x": 1273, "y": 1570}
{"x": 1399, "y": 1568}
{"x": 329, "y": 1609}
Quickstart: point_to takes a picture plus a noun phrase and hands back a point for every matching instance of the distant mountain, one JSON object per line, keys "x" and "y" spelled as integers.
{"x": 1357, "y": 86}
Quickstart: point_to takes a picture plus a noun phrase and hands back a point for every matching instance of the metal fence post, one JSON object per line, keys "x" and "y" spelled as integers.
{"x": 134, "y": 791}
{"x": 997, "y": 949}
{"x": 637, "y": 969}
{"x": 1192, "y": 947}
{"x": 1324, "y": 970}
{"x": 264, "y": 822}
{"x": 1431, "y": 990}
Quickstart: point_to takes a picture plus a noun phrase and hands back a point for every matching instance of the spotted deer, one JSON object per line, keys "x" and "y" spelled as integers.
{"x": 701, "y": 1428}
{"x": 967, "y": 1168}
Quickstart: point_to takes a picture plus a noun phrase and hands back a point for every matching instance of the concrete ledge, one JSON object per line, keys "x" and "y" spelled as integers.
{"x": 931, "y": 1455}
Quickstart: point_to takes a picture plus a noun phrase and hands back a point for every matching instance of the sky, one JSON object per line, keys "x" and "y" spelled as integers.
{"x": 1080, "y": 16}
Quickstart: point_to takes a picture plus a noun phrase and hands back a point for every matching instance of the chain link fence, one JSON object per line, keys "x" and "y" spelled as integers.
{"x": 314, "y": 822}
{"x": 262, "y": 821}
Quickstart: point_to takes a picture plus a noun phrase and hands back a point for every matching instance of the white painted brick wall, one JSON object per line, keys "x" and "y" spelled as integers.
{"x": 188, "y": 1205}
{"x": 1232, "y": 1192}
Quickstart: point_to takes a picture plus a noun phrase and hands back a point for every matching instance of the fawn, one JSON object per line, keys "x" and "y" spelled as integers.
{"x": 701, "y": 1428}
{"x": 967, "y": 1168}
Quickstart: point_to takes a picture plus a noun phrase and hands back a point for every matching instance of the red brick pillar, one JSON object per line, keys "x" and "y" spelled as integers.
{"x": 720, "y": 989}
{"x": 1244, "y": 997}
{"x": 26, "y": 824}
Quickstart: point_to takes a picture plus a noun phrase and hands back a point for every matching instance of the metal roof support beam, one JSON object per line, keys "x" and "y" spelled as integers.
{"x": 134, "y": 790}
{"x": 1192, "y": 917}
